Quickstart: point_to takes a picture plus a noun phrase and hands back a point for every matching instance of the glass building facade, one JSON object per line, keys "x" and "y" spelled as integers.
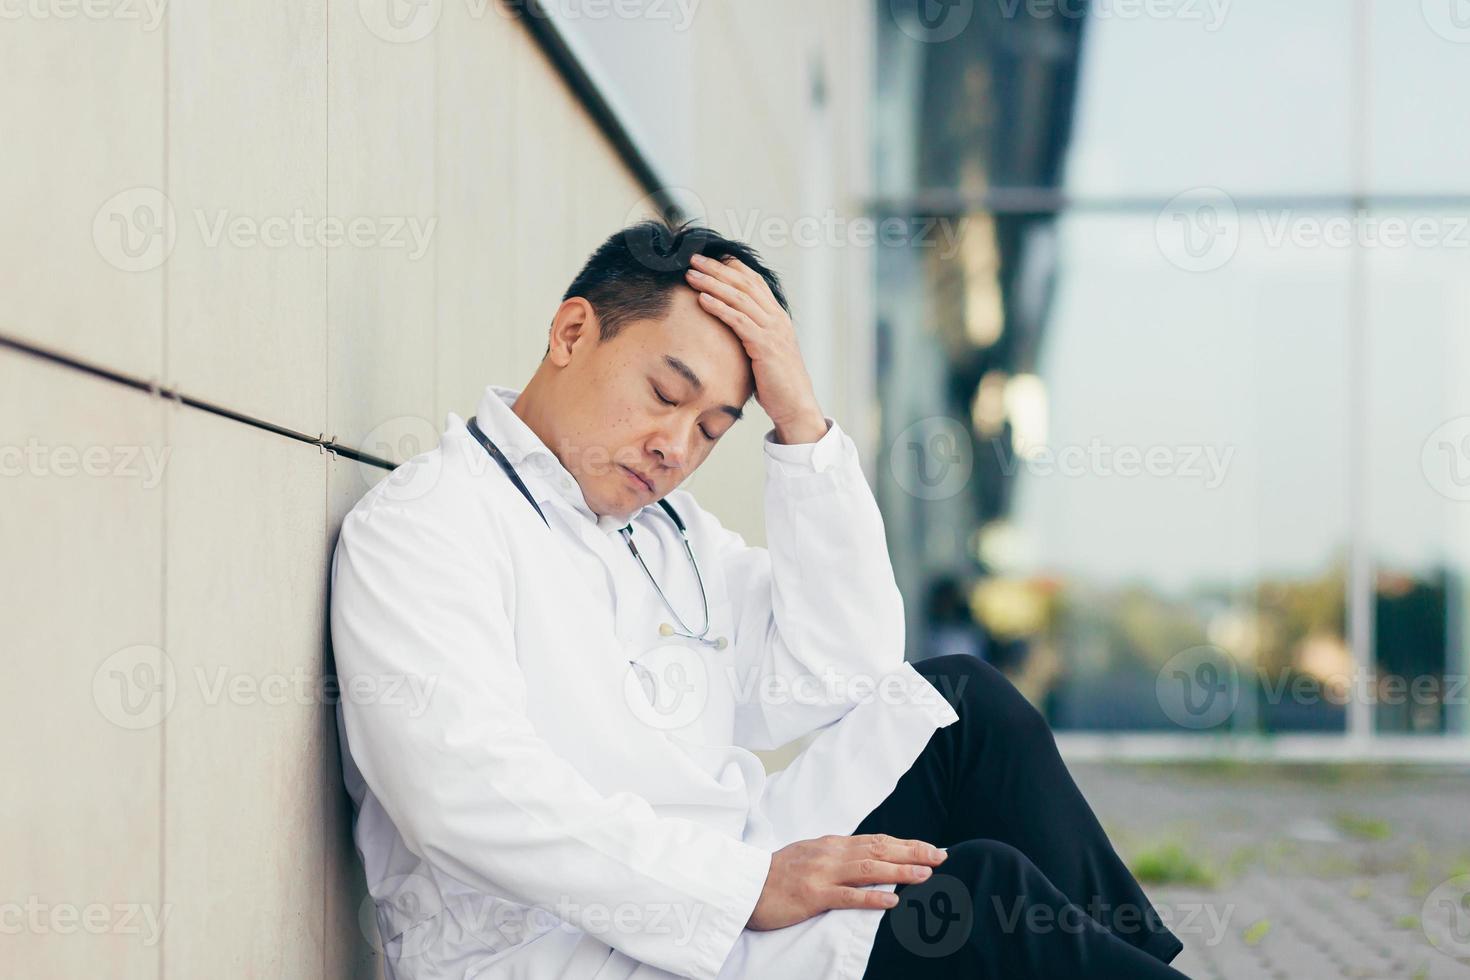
{"x": 1175, "y": 357}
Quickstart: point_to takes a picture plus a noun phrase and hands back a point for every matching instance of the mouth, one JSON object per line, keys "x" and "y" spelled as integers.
{"x": 637, "y": 479}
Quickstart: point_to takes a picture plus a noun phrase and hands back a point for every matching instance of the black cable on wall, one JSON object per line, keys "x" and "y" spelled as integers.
{"x": 173, "y": 394}
{"x": 542, "y": 28}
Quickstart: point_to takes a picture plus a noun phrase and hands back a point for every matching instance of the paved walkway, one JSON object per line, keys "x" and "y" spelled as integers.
{"x": 1299, "y": 871}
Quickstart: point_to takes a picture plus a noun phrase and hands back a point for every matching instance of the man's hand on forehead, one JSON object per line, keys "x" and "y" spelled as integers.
{"x": 741, "y": 299}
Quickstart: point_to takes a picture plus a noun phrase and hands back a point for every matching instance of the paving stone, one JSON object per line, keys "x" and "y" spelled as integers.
{"x": 1321, "y": 872}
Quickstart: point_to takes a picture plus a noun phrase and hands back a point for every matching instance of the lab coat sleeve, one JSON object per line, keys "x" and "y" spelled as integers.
{"x": 818, "y": 615}
{"x": 468, "y": 783}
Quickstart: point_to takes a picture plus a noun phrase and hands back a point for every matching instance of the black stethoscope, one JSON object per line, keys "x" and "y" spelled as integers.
{"x": 664, "y": 629}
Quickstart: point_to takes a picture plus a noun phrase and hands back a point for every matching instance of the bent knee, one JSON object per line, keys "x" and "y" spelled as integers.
{"x": 971, "y": 685}
{"x": 996, "y": 865}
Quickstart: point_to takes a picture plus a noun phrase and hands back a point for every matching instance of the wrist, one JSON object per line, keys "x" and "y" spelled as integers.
{"x": 801, "y": 430}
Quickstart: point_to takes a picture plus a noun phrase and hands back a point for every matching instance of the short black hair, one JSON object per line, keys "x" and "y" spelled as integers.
{"x": 631, "y": 275}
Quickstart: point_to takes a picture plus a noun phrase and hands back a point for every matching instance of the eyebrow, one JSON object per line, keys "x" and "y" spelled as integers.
{"x": 687, "y": 373}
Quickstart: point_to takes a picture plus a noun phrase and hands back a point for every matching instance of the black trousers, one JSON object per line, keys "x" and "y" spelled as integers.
{"x": 1032, "y": 887}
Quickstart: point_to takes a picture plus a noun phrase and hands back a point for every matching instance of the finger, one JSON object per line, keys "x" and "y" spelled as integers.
{"x": 899, "y": 849}
{"x": 727, "y": 293}
{"x": 843, "y": 897}
{"x": 745, "y": 328}
{"x": 871, "y": 871}
{"x": 753, "y": 280}
{"x": 759, "y": 288}
{"x": 731, "y": 270}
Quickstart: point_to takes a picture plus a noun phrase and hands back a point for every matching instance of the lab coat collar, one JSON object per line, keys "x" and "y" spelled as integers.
{"x": 543, "y": 474}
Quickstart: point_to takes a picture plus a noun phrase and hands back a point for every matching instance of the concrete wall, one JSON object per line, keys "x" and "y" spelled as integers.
{"x": 172, "y": 802}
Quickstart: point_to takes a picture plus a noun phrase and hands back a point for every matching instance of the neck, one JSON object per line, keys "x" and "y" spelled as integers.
{"x": 528, "y": 407}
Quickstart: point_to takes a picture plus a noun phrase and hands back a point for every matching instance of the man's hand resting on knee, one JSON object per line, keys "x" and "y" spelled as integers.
{"x": 811, "y": 876}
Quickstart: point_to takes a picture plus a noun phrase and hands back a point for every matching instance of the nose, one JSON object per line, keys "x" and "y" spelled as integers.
{"x": 672, "y": 444}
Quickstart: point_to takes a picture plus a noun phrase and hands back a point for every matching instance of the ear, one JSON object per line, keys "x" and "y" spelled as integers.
{"x": 573, "y": 327}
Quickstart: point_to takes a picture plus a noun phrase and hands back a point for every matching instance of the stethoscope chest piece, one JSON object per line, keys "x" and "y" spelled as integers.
{"x": 667, "y": 629}
{"x": 682, "y": 629}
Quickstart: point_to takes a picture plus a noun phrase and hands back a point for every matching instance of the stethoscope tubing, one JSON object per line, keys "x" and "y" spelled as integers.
{"x": 627, "y": 533}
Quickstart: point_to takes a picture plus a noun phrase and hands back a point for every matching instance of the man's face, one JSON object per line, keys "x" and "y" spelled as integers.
{"x": 635, "y": 415}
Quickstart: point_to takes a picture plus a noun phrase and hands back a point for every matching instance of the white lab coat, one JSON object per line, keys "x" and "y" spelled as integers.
{"x": 531, "y": 804}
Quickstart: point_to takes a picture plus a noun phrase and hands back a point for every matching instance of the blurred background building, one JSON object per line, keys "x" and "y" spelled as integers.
{"x": 1152, "y": 321}
{"x": 1186, "y": 401}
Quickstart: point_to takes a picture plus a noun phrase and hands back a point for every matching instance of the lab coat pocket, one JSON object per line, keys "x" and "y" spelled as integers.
{"x": 684, "y": 688}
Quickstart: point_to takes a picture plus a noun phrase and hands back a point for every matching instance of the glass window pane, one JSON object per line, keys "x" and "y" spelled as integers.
{"x": 1417, "y": 441}
{"x": 1254, "y": 99}
{"x": 1188, "y": 486}
{"x": 1420, "y": 74}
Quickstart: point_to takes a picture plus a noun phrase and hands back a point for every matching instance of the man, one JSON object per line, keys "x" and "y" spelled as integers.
{"x": 578, "y": 796}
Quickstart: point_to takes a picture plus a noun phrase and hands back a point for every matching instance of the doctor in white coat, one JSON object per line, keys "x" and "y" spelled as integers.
{"x": 575, "y": 793}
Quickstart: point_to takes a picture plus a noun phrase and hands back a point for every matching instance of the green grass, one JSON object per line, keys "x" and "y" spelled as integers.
{"x": 1363, "y": 828}
{"x": 1243, "y": 858}
{"x": 1256, "y": 932}
{"x": 1171, "y": 864}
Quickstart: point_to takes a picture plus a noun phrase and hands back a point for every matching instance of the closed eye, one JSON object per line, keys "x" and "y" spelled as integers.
{"x": 668, "y": 401}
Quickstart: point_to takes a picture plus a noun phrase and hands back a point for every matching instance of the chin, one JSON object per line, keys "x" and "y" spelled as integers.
{"x": 621, "y": 501}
